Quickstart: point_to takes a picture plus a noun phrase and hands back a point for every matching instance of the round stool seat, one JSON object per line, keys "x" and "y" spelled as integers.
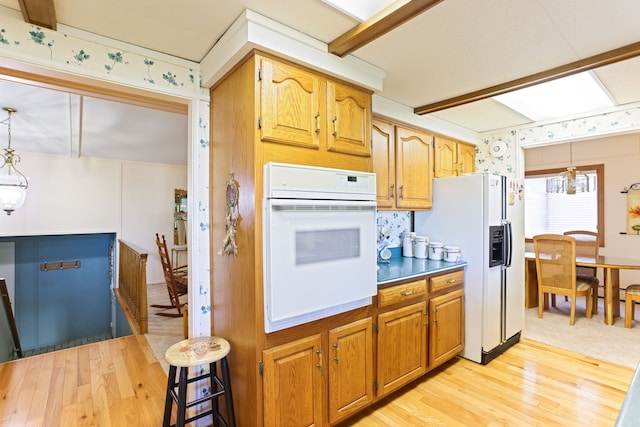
{"x": 197, "y": 351}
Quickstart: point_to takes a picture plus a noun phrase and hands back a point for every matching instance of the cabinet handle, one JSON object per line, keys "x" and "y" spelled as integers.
{"x": 391, "y": 188}
{"x": 407, "y": 293}
{"x": 318, "y": 123}
{"x": 319, "y": 364}
{"x": 401, "y": 191}
{"x": 335, "y": 127}
{"x": 450, "y": 281}
{"x": 336, "y": 360}
{"x": 435, "y": 318}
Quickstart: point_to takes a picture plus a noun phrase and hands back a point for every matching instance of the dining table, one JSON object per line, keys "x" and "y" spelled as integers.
{"x": 611, "y": 266}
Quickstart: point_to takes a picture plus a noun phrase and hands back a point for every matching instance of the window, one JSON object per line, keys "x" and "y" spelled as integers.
{"x": 559, "y": 212}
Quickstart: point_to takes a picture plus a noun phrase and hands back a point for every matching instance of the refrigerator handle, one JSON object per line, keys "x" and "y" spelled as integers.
{"x": 508, "y": 243}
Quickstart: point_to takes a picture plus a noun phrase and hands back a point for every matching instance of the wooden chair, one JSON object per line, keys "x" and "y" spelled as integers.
{"x": 556, "y": 269}
{"x": 587, "y": 246}
{"x": 175, "y": 278}
{"x": 631, "y": 296}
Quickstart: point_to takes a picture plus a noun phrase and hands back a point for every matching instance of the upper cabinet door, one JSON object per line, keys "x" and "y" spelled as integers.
{"x": 445, "y": 157}
{"x": 290, "y": 105}
{"x": 466, "y": 158}
{"x": 414, "y": 168}
{"x": 384, "y": 162}
{"x": 348, "y": 120}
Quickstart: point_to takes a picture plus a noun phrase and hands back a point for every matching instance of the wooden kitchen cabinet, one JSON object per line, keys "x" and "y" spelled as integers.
{"x": 350, "y": 362}
{"x": 304, "y": 109}
{"x": 265, "y": 109}
{"x": 402, "y": 347}
{"x": 452, "y": 158}
{"x": 403, "y": 163}
{"x": 292, "y": 384}
{"x": 446, "y": 335}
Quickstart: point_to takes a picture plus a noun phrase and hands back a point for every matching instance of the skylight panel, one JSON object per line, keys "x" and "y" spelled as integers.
{"x": 361, "y": 10}
{"x": 579, "y": 93}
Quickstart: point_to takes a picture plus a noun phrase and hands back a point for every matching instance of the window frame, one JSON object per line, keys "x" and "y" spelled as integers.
{"x": 599, "y": 168}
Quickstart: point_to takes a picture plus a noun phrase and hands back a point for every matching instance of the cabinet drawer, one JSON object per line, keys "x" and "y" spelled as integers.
{"x": 445, "y": 281}
{"x": 399, "y": 293}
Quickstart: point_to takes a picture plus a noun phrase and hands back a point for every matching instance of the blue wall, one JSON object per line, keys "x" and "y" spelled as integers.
{"x": 56, "y": 306}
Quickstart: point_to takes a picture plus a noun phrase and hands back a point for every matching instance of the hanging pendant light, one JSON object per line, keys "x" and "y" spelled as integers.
{"x": 572, "y": 181}
{"x": 13, "y": 184}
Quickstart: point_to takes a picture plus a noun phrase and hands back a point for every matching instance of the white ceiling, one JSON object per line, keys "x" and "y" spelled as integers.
{"x": 456, "y": 47}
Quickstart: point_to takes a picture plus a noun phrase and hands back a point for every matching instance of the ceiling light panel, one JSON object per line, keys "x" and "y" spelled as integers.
{"x": 360, "y": 10}
{"x": 563, "y": 97}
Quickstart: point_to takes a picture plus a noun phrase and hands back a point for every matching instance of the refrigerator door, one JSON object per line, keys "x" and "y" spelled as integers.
{"x": 514, "y": 292}
{"x": 493, "y": 301}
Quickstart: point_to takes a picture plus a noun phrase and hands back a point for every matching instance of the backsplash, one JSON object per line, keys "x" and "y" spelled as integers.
{"x": 391, "y": 225}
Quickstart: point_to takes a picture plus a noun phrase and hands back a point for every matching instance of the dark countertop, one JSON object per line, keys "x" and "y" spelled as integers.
{"x": 630, "y": 412}
{"x": 400, "y": 268}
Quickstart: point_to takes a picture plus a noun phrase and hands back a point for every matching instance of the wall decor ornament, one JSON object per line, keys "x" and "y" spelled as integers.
{"x": 633, "y": 208}
{"x": 229, "y": 246}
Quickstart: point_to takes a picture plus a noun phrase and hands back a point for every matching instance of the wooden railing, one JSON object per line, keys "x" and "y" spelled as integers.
{"x": 6, "y": 302}
{"x": 132, "y": 286}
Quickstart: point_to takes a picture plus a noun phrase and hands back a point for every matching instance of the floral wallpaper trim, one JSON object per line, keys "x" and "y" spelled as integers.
{"x": 605, "y": 123}
{"x": 55, "y": 49}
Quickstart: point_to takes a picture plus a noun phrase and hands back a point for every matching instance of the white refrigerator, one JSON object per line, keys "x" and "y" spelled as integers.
{"x": 473, "y": 212}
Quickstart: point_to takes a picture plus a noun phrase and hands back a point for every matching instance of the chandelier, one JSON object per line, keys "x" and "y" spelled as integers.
{"x": 571, "y": 181}
{"x": 13, "y": 184}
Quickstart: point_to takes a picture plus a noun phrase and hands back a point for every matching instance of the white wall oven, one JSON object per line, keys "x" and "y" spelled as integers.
{"x": 319, "y": 243}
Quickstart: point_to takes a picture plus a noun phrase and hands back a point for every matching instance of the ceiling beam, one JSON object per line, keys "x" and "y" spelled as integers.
{"x": 378, "y": 25}
{"x": 39, "y": 12}
{"x": 600, "y": 60}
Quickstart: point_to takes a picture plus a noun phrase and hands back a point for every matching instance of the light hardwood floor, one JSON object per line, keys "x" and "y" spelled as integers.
{"x": 120, "y": 382}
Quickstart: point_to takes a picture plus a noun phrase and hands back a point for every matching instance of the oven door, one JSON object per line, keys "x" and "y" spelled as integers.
{"x": 319, "y": 259}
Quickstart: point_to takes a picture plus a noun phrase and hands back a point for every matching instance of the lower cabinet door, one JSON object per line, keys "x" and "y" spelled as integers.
{"x": 292, "y": 384}
{"x": 447, "y": 327}
{"x": 350, "y": 369}
{"x": 402, "y": 347}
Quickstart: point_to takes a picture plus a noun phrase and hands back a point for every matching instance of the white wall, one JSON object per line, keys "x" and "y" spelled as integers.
{"x": 147, "y": 208}
{"x": 93, "y": 195}
{"x": 620, "y": 155}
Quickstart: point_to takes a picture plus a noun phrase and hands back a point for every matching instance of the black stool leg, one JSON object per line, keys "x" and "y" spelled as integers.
{"x": 228, "y": 396}
{"x": 168, "y": 402}
{"x": 214, "y": 389}
{"x": 182, "y": 397}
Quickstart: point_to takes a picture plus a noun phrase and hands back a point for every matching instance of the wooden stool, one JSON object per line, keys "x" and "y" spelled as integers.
{"x": 631, "y": 295}
{"x": 196, "y": 352}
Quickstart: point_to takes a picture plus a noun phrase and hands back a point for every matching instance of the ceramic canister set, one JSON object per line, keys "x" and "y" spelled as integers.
{"x": 420, "y": 247}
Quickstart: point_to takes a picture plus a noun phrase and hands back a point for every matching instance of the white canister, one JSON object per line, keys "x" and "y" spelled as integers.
{"x": 452, "y": 253}
{"x": 407, "y": 243}
{"x": 420, "y": 247}
{"x": 435, "y": 251}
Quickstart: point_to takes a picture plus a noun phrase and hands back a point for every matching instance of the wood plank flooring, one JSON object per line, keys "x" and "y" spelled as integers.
{"x": 120, "y": 383}
{"x": 116, "y": 382}
{"x": 531, "y": 384}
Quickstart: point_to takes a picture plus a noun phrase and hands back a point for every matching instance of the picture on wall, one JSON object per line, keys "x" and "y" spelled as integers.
{"x": 633, "y": 212}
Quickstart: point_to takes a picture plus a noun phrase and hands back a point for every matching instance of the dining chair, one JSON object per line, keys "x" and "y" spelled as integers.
{"x": 556, "y": 270}
{"x": 175, "y": 279}
{"x": 587, "y": 246}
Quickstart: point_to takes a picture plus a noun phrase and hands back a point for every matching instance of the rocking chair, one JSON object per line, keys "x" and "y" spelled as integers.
{"x": 175, "y": 278}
